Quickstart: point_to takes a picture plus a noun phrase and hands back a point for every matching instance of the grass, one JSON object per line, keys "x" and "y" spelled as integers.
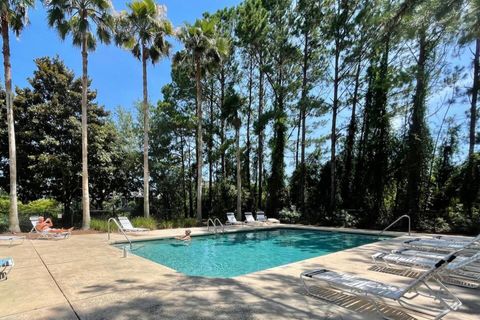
{"x": 142, "y": 222}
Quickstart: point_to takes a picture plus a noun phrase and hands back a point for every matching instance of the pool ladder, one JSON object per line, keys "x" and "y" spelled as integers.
{"x": 400, "y": 218}
{"x": 119, "y": 228}
{"x": 213, "y": 221}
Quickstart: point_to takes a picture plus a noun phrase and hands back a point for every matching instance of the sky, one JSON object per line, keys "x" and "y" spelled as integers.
{"x": 115, "y": 73}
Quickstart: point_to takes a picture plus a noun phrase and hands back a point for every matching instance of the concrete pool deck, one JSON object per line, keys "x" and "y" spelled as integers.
{"x": 84, "y": 277}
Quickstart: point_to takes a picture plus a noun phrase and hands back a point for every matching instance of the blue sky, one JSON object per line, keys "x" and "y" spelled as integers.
{"x": 116, "y": 74}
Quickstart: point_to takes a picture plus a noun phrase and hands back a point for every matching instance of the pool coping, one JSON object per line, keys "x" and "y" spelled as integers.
{"x": 254, "y": 227}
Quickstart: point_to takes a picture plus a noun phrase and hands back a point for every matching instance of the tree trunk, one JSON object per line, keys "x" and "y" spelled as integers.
{"x": 85, "y": 192}
{"x": 190, "y": 184}
{"x": 199, "y": 139}
{"x": 222, "y": 122}
{"x": 260, "y": 134}
{"x": 473, "y": 108}
{"x": 210, "y": 151}
{"x": 239, "y": 175}
{"x": 334, "y": 129}
{"x": 14, "y": 225}
{"x": 248, "y": 143}
{"x": 352, "y": 129}
{"x": 302, "y": 124}
{"x": 184, "y": 187}
{"x": 146, "y": 173}
{"x": 416, "y": 156}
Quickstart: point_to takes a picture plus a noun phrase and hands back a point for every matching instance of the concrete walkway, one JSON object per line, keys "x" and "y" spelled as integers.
{"x": 85, "y": 277}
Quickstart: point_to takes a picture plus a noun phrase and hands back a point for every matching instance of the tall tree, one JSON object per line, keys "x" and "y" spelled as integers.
{"x": 204, "y": 49}
{"x": 143, "y": 31}
{"x": 340, "y": 18}
{"x": 252, "y": 29}
{"x": 14, "y": 17}
{"x": 432, "y": 20}
{"x": 78, "y": 18}
{"x": 281, "y": 64}
{"x": 309, "y": 17}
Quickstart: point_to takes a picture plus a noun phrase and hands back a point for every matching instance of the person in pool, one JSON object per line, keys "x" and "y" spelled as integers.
{"x": 45, "y": 225}
{"x": 186, "y": 236}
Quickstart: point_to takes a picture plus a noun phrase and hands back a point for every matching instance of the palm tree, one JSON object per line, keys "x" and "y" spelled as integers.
{"x": 13, "y": 16}
{"x": 143, "y": 31}
{"x": 205, "y": 49}
{"x": 77, "y": 18}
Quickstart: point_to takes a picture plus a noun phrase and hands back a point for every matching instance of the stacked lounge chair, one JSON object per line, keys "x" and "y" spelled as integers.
{"x": 442, "y": 299}
{"x": 443, "y": 244}
{"x": 465, "y": 271}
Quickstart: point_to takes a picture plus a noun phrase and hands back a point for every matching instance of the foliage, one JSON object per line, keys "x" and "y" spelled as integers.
{"x": 142, "y": 222}
{"x": 290, "y": 215}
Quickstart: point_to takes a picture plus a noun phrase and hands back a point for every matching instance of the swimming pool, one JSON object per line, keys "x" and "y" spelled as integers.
{"x": 233, "y": 254}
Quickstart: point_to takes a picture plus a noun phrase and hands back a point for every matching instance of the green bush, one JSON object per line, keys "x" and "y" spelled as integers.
{"x": 142, "y": 222}
{"x": 102, "y": 225}
{"x": 41, "y": 207}
{"x": 178, "y": 223}
{"x": 290, "y": 215}
{"x": 166, "y": 224}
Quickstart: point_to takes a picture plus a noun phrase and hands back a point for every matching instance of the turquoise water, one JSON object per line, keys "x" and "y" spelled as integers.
{"x": 234, "y": 254}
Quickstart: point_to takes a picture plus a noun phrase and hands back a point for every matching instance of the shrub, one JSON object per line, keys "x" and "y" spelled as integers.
{"x": 291, "y": 215}
{"x": 166, "y": 224}
{"x": 102, "y": 225}
{"x": 142, "y": 222}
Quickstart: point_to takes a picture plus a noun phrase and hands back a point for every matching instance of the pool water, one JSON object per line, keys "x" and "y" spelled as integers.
{"x": 233, "y": 254}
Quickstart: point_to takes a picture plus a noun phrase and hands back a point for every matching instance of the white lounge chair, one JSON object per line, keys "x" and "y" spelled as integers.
{"x": 442, "y": 245}
{"x": 249, "y": 219}
{"x": 6, "y": 265}
{"x": 45, "y": 234}
{"x": 231, "y": 220}
{"x": 128, "y": 227}
{"x": 13, "y": 239}
{"x": 261, "y": 216}
{"x": 375, "y": 291}
{"x": 464, "y": 271}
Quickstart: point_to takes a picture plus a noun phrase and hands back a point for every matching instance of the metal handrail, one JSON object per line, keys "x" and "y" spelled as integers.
{"x": 119, "y": 228}
{"x": 223, "y": 228}
{"x": 400, "y": 218}
{"x": 213, "y": 224}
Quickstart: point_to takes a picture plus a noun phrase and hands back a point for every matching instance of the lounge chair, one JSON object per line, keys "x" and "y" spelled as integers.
{"x": 375, "y": 291}
{"x": 249, "y": 219}
{"x": 45, "y": 234}
{"x": 443, "y": 245}
{"x": 231, "y": 220}
{"x": 464, "y": 271}
{"x": 12, "y": 239}
{"x": 263, "y": 218}
{"x": 128, "y": 227}
{"x": 6, "y": 265}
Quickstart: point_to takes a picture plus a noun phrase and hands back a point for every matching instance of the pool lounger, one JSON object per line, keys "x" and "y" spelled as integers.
{"x": 465, "y": 271}
{"x": 6, "y": 265}
{"x": 12, "y": 239}
{"x": 128, "y": 227}
{"x": 45, "y": 234}
{"x": 249, "y": 219}
{"x": 231, "y": 220}
{"x": 443, "y": 245}
{"x": 376, "y": 292}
